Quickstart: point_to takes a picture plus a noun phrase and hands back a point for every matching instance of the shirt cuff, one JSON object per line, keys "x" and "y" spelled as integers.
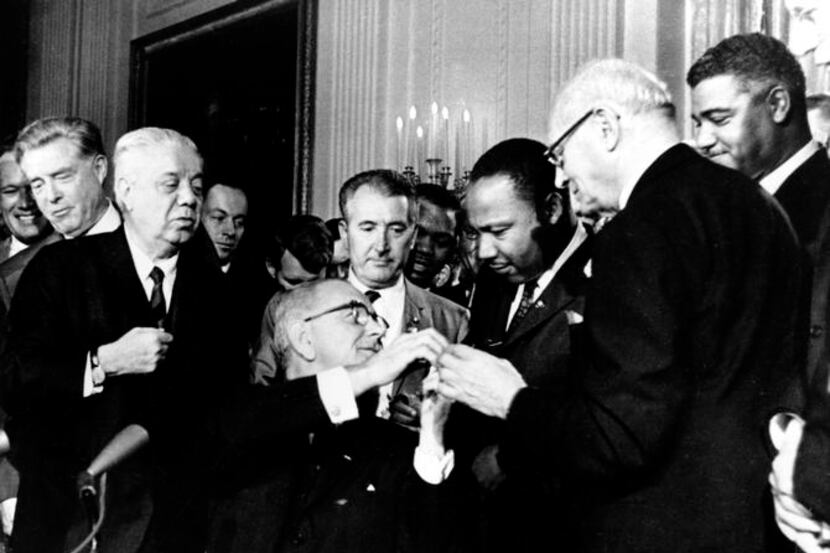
{"x": 337, "y": 395}
{"x": 90, "y": 389}
{"x": 433, "y": 466}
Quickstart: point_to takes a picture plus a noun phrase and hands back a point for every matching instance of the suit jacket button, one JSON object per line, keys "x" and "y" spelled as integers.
{"x": 816, "y": 331}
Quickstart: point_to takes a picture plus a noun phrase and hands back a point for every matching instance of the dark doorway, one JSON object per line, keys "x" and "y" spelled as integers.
{"x": 237, "y": 81}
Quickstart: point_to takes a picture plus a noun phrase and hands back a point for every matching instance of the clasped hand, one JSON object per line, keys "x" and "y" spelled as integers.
{"x": 139, "y": 351}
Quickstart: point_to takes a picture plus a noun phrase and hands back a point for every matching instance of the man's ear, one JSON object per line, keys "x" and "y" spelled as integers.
{"x": 779, "y": 104}
{"x": 344, "y": 234}
{"x": 122, "y": 189}
{"x": 553, "y": 208}
{"x": 100, "y": 166}
{"x": 608, "y": 121}
{"x": 299, "y": 339}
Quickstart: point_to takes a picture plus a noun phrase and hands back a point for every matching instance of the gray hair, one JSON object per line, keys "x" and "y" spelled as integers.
{"x": 84, "y": 134}
{"x": 619, "y": 83}
{"x": 149, "y": 137}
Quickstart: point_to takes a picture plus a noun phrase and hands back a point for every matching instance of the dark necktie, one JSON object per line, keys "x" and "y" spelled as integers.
{"x": 367, "y": 404}
{"x": 524, "y": 304}
{"x": 157, "y": 304}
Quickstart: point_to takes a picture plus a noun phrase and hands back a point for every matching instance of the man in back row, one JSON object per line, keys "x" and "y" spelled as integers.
{"x": 750, "y": 114}
{"x": 380, "y": 213}
{"x": 64, "y": 160}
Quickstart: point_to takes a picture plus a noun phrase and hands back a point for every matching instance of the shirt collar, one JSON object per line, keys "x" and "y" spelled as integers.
{"x": 16, "y": 246}
{"x": 108, "y": 222}
{"x": 625, "y": 193}
{"x": 394, "y": 290}
{"x": 143, "y": 263}
{"x": 773, "y": 181}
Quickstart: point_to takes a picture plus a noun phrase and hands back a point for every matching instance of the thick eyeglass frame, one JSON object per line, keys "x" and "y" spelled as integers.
{"x": 359, "y": 312}
{"x": 554, "y": 152}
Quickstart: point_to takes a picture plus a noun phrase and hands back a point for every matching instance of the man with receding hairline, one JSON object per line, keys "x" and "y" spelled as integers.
{"x": 122, "y": 335}
{"x": 656, "y": 440}
{"x": 64, "y": 160}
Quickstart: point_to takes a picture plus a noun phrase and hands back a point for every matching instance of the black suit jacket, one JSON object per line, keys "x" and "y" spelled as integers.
{"x": 527, "y": 508}
{"x": 689, "y": 323}
{"x": 805, "y": 196}
{"x": 350, "y": 488}
{"x": 77, "y": 295}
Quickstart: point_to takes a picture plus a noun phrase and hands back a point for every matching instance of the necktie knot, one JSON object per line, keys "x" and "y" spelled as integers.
{"x": 526, "y": 302}
{"x": 373, "y": 295}
{"x": 157, "y": 276}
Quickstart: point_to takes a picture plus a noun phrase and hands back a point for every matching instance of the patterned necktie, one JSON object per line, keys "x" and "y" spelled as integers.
{"x": 525, "y": 303}
{"x": 157, "y": 304}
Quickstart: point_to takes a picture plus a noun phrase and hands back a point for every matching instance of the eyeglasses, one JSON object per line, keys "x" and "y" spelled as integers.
{"x": 554, "y": 153}
{"x": 360, "y": 314}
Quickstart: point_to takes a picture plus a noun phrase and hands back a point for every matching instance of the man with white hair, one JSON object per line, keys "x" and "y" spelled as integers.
{"x": 689, "y": 324}
{"x": 121, "y": 334}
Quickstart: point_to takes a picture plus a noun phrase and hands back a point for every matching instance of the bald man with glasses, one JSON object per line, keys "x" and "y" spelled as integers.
{"x": 360, "y": 484}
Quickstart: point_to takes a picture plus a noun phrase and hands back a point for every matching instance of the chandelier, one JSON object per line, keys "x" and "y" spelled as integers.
{"x": 437, "y": 149}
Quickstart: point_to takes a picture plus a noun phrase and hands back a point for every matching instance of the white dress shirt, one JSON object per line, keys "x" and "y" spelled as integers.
{"x": 390, "y": 306}
{"x": 773, "y": 181}
{"x": 143, "y": 265}
{"x": 579, "y": 236}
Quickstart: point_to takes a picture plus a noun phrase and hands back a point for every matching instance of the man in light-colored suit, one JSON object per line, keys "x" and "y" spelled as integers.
{"x": 380, "y": 213}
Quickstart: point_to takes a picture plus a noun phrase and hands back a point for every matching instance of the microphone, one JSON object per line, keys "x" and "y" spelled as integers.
{"x": 122, "y": 445}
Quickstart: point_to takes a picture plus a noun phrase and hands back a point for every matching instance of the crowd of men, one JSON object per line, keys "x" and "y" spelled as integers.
{"x": 617, "y": 342}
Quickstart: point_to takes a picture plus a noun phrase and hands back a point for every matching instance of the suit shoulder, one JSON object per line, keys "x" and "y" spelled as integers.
{"x": 436, "y": 302}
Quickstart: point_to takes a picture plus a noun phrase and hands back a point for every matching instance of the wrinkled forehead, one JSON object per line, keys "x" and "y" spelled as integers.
{"x": 333, "y": 292}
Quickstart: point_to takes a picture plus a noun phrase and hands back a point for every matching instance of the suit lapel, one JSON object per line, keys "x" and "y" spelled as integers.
{"x": 562, "y": 292}
{"x": 415, "y": 312}
{"x": 121, "y": 276}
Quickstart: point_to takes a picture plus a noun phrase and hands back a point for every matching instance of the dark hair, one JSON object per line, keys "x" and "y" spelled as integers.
{"x": 333, "y": 226}
{"x": 752, "y": 58}
{"x": 437, "y": 195}
{"x": 308, "y": 239}
{"x": 84, "y": 134}
{"x": 821, "y": 102}
{"x": 387, "y": 182}
{"x": 523, "y": 161}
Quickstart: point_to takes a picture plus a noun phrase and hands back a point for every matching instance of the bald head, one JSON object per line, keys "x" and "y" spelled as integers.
{"x": 324, "y": 324}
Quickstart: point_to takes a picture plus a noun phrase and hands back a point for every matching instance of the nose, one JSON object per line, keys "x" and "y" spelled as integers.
{"x": 486, "y": 249}
{"x": 375, "y": 327}
{"x": 186, "y": 195}
{"x": 424, "y": 243}
{"x": 25, "y": 198}
{"x": 704, "y": 137}
{"x": 227, "y": 227}
{"x": 382, "y": 241}
{"x": 50, "y": 192}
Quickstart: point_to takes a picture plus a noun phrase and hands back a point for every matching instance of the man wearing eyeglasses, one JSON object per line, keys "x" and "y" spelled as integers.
{"x": 689, "y": 323}
{"x": 363, "y": 483}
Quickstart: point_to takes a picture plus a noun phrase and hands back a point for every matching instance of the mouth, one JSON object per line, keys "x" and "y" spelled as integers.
{"x": 26, "y": 218}
{"x": 500, "y": 268}
{"x": 60, "y": 213}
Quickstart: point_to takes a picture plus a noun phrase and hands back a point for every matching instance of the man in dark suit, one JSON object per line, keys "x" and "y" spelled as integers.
{"x": 379, "y": 217}
{"x": 65, "y": 162}
{"x": 750, "y": 113}
{"x": 354, "y": 487}
{"x": 689, "y": 321}
{"x": 528, "y": 303}
{"x": 114, "y": 329}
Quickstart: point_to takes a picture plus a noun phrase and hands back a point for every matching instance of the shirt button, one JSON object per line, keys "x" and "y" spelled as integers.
{"x": 816, "y": 331}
